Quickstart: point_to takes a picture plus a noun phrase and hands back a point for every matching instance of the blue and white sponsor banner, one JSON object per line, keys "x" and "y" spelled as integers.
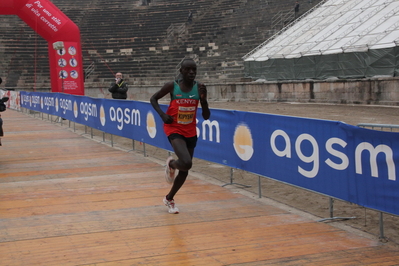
{"x": 339, "y": 160}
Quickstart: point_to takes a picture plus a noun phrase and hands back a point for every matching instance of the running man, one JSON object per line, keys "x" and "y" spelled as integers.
{"x": 180, "y": 124}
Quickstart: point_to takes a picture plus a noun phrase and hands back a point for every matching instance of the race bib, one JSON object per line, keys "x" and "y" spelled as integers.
{"x": 185, "y": 115}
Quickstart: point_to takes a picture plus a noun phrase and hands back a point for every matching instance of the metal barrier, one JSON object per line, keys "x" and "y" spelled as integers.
{"x": 381, "y": 127}
{"x": 232, "y": 170}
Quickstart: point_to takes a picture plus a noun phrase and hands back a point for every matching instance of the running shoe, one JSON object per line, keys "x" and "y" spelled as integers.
{"x": 169, "y": 171}
{"x": 171, "y": 206}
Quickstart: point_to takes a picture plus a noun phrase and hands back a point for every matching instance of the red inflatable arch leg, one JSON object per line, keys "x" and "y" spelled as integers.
{"x": 62, "y": 36}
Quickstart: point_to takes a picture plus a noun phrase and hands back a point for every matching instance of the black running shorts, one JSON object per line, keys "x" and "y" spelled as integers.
{"x": 190, "y": 142}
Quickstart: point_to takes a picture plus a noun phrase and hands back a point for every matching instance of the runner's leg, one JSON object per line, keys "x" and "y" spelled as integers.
{"x": 183, "y": 164}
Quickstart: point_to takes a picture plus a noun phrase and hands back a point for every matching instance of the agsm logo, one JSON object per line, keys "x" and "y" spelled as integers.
{"x": 102, "y": 115}
{"x": 242, "y": 142}
{"x": 151, "y": 127}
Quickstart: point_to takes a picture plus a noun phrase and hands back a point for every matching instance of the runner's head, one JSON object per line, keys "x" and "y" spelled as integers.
{"x": 188, "y": 69}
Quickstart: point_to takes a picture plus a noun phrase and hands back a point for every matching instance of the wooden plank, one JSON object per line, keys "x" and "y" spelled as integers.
{"x": 72, "y": 201}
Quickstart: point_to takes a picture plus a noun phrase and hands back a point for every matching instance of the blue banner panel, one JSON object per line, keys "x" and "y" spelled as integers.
{"x": 329, "y": 157}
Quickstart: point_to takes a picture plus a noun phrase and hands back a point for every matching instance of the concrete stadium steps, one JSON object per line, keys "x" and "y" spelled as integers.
{"x": 23, "y": 54}
{"x": 132, "y": 32}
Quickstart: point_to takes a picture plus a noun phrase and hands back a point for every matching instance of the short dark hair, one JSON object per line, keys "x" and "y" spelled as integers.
{"x": 187, "y": 60}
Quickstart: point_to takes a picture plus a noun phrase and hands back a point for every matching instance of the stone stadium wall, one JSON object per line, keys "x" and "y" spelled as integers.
{"x": 376, "y": 91}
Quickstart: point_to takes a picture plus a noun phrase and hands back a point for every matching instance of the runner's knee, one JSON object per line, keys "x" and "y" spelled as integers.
{"x": 185, "y": 164}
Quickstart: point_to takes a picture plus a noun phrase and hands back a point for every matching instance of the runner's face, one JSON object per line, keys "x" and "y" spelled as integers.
{"x": 189, "y": 70}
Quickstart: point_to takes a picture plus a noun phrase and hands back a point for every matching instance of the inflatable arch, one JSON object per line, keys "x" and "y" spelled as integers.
{"x": 62, "y": 36}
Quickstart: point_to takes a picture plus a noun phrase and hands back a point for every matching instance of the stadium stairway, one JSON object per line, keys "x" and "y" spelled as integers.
{"x": 126, "y": 36}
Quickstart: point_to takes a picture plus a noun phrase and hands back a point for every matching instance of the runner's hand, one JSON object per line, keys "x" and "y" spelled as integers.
{"x": 203, "y": 92}
{"x": 167, "y": 119}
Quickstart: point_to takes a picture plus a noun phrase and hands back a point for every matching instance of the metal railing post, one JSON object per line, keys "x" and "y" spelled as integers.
{"x": 382, "y": 235}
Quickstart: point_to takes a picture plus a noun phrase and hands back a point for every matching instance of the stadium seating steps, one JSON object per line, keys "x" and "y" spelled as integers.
{"x": 132, "y": 38}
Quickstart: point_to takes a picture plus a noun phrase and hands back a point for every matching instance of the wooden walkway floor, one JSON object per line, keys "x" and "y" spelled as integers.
{"x": 69, "y": 200}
